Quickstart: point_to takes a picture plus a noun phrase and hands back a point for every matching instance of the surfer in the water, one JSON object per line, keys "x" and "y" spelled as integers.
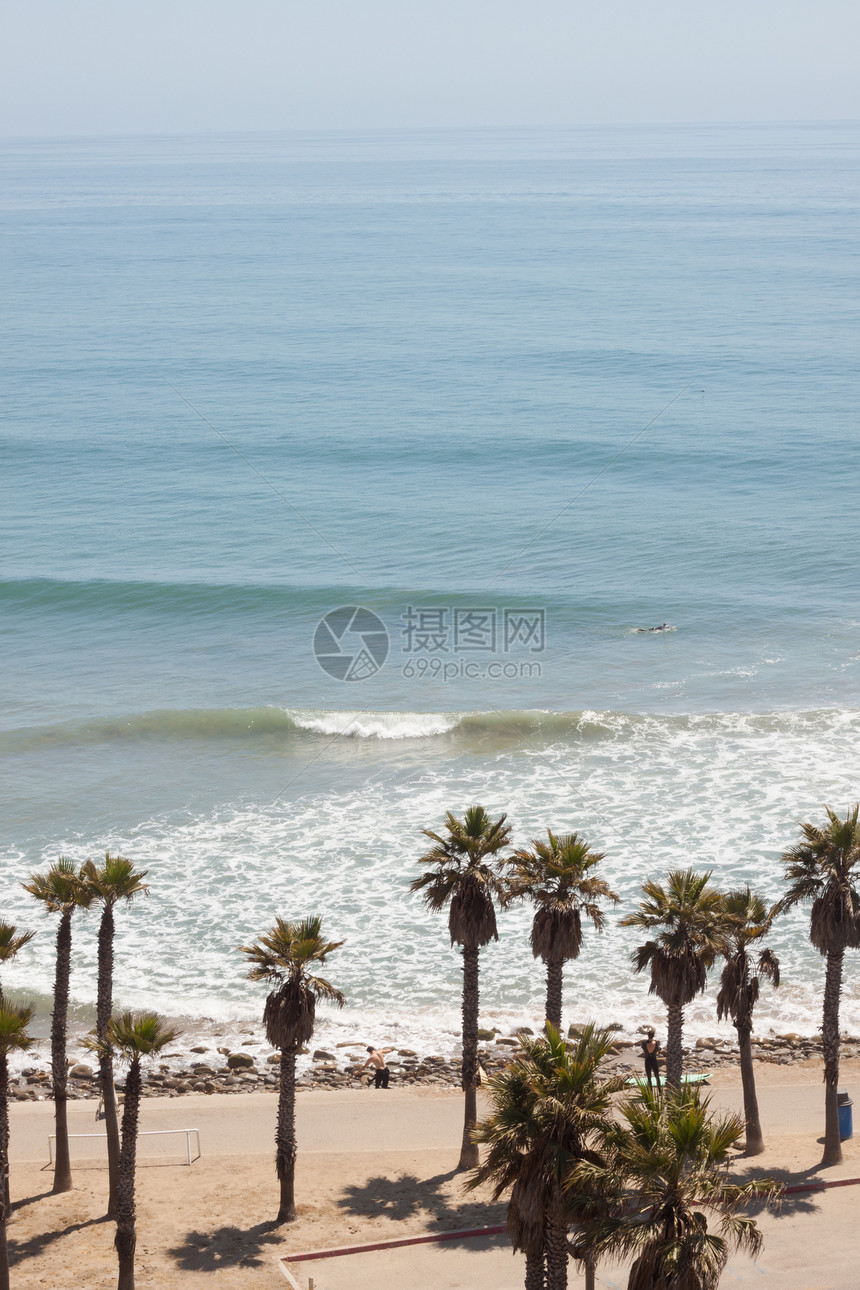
{"x": 664, "y": 627}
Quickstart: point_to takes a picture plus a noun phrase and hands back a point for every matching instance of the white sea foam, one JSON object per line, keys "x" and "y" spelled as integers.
{"x": 377, "y": 725}
{"x": 722, "y": 792}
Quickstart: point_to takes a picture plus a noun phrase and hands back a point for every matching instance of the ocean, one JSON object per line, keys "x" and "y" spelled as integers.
{"x": 339, "y": 472}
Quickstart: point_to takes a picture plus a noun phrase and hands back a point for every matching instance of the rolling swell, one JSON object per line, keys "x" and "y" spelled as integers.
{"x": 512, "y": 728}
{"x": 106, "y": 596}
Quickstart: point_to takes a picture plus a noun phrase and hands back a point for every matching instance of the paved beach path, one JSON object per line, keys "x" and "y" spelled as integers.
{"x": 372, "y": 1166}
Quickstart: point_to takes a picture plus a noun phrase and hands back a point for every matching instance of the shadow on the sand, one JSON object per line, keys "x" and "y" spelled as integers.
{"x": 29, "y": 1200}
{"x": 21, "y": 1250}
{"x": 411, "y": 1197}
{"x": 804, "y": 1202}
{"x": 226, "y": 1247}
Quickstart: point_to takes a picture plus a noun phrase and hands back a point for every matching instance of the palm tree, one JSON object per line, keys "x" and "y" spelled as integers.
{"x": 284, "y": 956}
{"x": 131, "y": 1037}
{"x": 14, "y": 1021}
{"x": 687, "y": 914}
{"x": 557, "y": 877}
{"x": 466, "y": 876}
{"x": 824, "y": 868}
{"x": 115, "y": 880}
{"x": 62, "y": 892}
{"x": 10, "y": 944}
{"x": 515, "y": 1163}
{"x": 749, "y": 921}
{"x": 664, "y": 1179}
{"x": 550, "y": 1109}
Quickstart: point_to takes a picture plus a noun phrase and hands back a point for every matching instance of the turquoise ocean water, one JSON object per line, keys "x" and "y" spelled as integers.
{"x": 516, "y": 394}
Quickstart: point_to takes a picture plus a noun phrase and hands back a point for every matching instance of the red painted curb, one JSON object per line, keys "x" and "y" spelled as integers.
{"x": 821, "y": 1186}
{"x": 471, "y": 1232}
{"x": 463, "y": 1234}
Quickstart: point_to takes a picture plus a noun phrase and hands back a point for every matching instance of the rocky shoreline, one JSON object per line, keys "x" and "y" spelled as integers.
{"x": 209, "y": 1068}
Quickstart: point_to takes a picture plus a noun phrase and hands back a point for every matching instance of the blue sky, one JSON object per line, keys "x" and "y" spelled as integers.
{"x": 113, "y": 67}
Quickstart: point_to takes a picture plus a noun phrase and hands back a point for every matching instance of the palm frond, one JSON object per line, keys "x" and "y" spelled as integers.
{"x": 823, "y": 869}
{"x": 132, "y": 1035}
{"x": 60, "y": 888}
{"x": 692, "y": 927}
{"x": 14, "y": 1020}
{"x": 466, "y": 876}
{"x": 114, "y": 880}
{"x": 11, "y": 942}
{"x": 285, "y": 957}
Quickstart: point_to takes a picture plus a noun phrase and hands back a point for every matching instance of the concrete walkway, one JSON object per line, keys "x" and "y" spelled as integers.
{"x": 367, "y": 1119}
{"x": 810, "y": 1246}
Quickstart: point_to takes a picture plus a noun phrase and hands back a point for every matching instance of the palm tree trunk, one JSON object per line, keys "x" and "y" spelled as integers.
{"x": 754, "y": 1140}
{"x": 285, "y": 1138}
{"x": 674, "y": 1037}
{"x": 590, "y": 1279}
{"x": 104, "y": 1007}
{"x": 59, "y": 1017}
{"x": 535, "y": 1272}
{"x": 554, "y": 969}
{"x": 556, "y": 1249}
{"x": 830, "y": 1044}
{"x": 469, "y": 1077}
{"x": 126, "y": 1237}
{"x": 4, "y": 1169}
{"x": 673, "y": 1042}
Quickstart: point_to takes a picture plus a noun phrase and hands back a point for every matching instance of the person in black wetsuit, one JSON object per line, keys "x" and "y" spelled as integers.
{"x": 650, "y": 1048}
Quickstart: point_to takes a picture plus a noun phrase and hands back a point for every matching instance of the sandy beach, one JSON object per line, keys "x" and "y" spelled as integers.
{"x": 371, "y": 1166}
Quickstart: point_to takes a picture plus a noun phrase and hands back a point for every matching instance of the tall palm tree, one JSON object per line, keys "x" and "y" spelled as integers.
{"x": 131, "y": 1037}
{"x": 109, "y": 883}
{"x": 61, "y": 892}
{"x": 465, "y": 874}
{"x": 747, "y": 965}
{"x": 10, "y": 944}
{"x": 14, "y": 1021}
{"x": 557, "y": 876}
{"x": 284, "y": 956}
{"x": 515, "y": 1163}
{"x": 550, "y": 1110}
{"x": 824, "y": 868}
{"x": 662, "y": 1183}
{"x": 687, "y": 916}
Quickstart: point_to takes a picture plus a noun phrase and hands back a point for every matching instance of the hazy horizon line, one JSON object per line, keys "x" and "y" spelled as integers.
{"x": 715, "y": 123}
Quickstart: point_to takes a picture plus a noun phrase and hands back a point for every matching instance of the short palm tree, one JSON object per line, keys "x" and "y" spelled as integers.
{"x": 14, "y": 1021}
{"x": 550, "y": 1109}
{"x": 662, "y": 1195}
{"x": 286, "y": 956}
{"x": 131, "y": 1037}
{"x": 558, "y": 877}
{"x": 824, "y": 868}
{"x": 687, "y": 916}
{"x": 109, "y": 883}
{"x": 61, "y": 891}
{"x": 10, "y": 944}
{"x": 747, "y": 965}
{"x": 465, "y": 875}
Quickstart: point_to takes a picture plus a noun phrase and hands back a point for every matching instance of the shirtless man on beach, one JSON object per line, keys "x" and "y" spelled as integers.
{"x": 381, "y": 1073}
{"x": 650, "y": 1048}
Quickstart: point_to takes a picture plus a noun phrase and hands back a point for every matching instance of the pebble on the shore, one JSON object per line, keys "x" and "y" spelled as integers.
{"x": 240, "y": 1072}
